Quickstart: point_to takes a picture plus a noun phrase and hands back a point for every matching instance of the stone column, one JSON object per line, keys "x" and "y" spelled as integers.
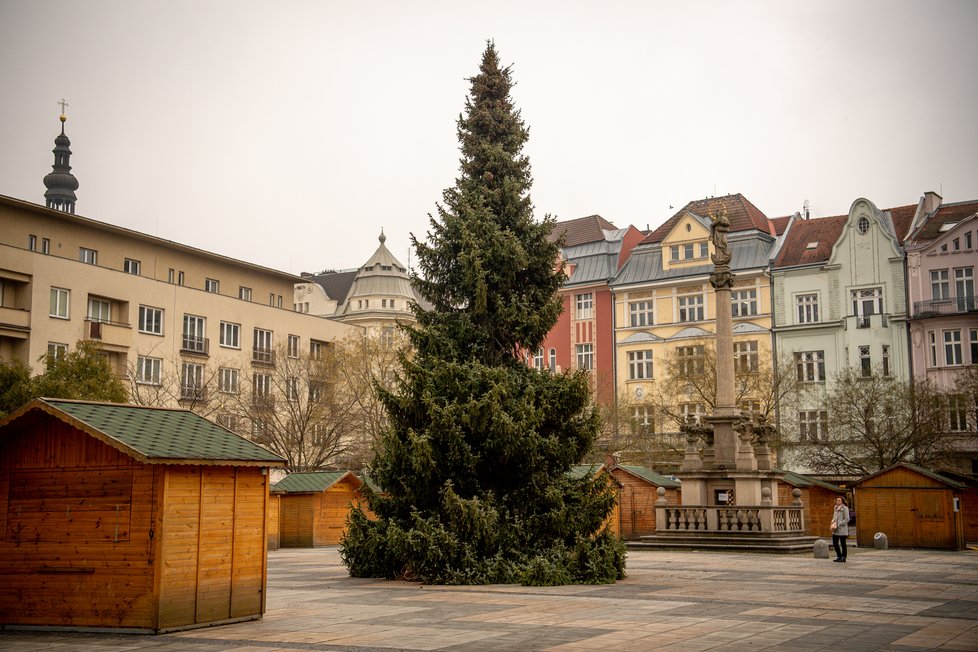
{"x": 724, "y": 438}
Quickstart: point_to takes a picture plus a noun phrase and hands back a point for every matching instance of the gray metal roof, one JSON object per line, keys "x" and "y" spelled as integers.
{"x": 645, "y": 263}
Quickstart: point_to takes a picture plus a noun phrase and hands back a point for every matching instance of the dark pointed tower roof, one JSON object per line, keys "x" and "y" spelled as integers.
{"x": 61, "y": 184}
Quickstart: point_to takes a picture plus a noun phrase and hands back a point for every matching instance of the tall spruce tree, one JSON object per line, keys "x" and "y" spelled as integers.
{"x": 476, "y": 466}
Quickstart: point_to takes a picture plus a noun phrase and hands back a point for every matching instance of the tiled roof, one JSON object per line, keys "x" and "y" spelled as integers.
{"x": 902, "y": 216}
{"x": 584, "y": 470}
{"x": 945, "y": 214}
{"x": 822, "y": 232}
{"x": 336, "y": 284}
{"x": 581, "y": 230}
{"x": 742, "y": 214}
{"x": 314, "y": 482}
{"x": 780, "y": 223}
{"x": 651, "y": 476}
{"x": 153, "y": 435}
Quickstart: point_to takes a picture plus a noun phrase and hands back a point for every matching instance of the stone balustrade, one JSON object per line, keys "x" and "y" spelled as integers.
{"x": 774, "y": 519}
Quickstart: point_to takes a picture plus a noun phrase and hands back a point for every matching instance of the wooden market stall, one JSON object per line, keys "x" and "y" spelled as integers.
{"x": 914, "y": 507}
{"x": 130, "y": 518}
{"x": 817, "y": 496}
{"x": 637, "y": 497}
{"x": 315, "y": 507}
{"x": 274, "y": 525}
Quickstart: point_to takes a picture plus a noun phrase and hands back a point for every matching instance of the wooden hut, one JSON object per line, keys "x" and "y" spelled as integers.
{"x": 914, "y": 507}
{"x": 636, "y": 499}
{"x": 132, "y": 518}
{"x": 613, "y": 521}
{"x": 817, "y": 496}
{"x": 315, "y": 507}
{"x": 274, "y": 525}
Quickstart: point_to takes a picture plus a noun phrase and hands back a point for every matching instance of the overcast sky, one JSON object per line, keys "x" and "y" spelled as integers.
{"x": 289, "y": 133}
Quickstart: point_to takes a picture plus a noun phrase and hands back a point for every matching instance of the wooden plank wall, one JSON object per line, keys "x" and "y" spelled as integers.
{"x": 213, "y": 546}
{"x": 76, "y": 514}
{"x": 273, "y": 525}
{"x": 332, "y": 509}
{"x": 296, "y": 517}
{"x": 819, "y": 505}
{"x": 637, "y": 504}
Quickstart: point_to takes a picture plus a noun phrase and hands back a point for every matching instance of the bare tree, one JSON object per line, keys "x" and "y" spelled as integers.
{"x": 874, "y": 421}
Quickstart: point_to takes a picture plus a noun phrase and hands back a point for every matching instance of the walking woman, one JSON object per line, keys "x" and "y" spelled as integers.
{"x": 840, "y": 529}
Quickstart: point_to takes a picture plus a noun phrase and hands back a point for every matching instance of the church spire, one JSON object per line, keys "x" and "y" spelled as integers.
{"x": 61, "y": 184}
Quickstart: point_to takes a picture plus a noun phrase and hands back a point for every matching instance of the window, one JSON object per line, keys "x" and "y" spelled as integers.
{"x": 192, "y": 382}
{"x": 130, "y": 266}
{"x": 956, "y": 244}
{"x": 293, "y": 346}
{"x": 553, "y": 360}
{"x": 32, "y": 243}
{"x": 964, "y": 288}
{"x": 585, "y": 356}
{"x": 263, "y": 347}
{"x": 230, "y": 335}
{"x": 967, "y": 240}
{"x": 279, "y": 301}
{"x": 691, "y": 307}
{"x": 749, "y": 405}
{"x": 150, "y": 320}
{"x": 743, "y": 303}
{"x": 865, "y": 362}
{"x": 952, "y": 347}
{"x": 538, "y": 359}
{"x": 169, "y": 276}
{"x": 56, "y": 351}
{"x": 392, "y": 305}
{"x": 813, "y": 425}
{"x": 148, "y": 370}
{"x": 639, "y": 365}
{"x": 691, "y": 360}
{"x": 262, "y": 386}
{"x": 227, "y": 380}
{"x": 958, "y": 413}
{"x": 211, "y": 285}
{"x": 807, "y": 308}
{"x": 359, "y": 304}
{"x": 59, "y": 303}
{"x": 585, "y": 305}
{"x": 688, "y": 251}
{"x": 691, "y": 412}
{"x": 317, "y": 349}
{"x": 228, "y": 420}
{"x": 387, "y": 336}
{"x": 383, "y": 303}
{"x": 88, "y": 256}
{"x": 940, "y": 288}
{"x": 745, "y": 357}
{"x": 886, "y": 359}
{"x": 640, "y": 313}
{"x": 704, "y": 250}
{"x": 932, "y": 336}
{"x": 244, "y": 293}
{"x": 862, "y": 225}
{"x": 45, "y": 246}
{"x": 315, "y": 391}
{"x": 974, "y": 345}
{"x": 271, "y": 298}
{"x": 193, "y": 334}
{"x": 641, "y": 420}
{"x": 866, "y": 302}
{"x": 292, "y": 389}
{"x": 674, "y": 253}
{"x": 320, "y": 431}
{"x": 99, "y": 310}
{"x": 810, "y": 366}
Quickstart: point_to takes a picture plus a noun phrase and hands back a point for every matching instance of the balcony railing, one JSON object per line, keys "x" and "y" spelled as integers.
{"x": 263, "y": 356}
{"x": 862, "y": 321}
{"x": 194, "y": 344}
{"x": 936, "y": 307}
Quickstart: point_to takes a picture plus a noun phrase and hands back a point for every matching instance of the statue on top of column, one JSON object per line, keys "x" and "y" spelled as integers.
{"x": 721, "y": 276}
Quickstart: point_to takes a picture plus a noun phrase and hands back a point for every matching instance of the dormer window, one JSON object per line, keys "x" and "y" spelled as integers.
{"x": 689, "y": 251}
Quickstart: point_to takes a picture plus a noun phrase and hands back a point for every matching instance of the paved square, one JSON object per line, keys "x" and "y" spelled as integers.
{"x": 902, "y": 600}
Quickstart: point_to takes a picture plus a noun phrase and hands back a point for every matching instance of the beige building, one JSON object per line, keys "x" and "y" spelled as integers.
{"x": 159, "y": 309}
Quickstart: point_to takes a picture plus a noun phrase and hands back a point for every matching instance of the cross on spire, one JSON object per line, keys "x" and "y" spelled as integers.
{"x": 63, "y": 105}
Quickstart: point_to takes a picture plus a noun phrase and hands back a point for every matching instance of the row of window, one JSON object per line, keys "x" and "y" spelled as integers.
{"x": 692, "y": 361}
{"x": 642, "y": 417}
{"x": 363, "y": 304}
{"x": 810, "y": 365}
{"x": 953, "y": 348}
{"x": 690, "y": 307}
{"x": 956, "y": 243}
{"x": 964, "y": 283}
{"x": 689, "y": 251}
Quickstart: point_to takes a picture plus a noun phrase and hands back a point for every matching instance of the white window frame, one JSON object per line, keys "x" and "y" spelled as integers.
{"x": 813, "y": 425}
{"x": 640, "y": 313}
{"x": 192, "y": 381}
{"x": 244, "y": 293}
{"x": 317, "y": 349}
{"x": 865, "y": 361}
{"x": 885, "y": 359}
{"x": 194, "y": 333}
{"x": 584, "y": 305}
{"x": 585, "y": 356}
{"x": 148, "y": 370}
{"x": 60, "y": 303}
{"x": 746, "y": 359}
{"x": 957, "y": 409}
{"x": 743, "y": 303}
{"x": 640, "y": 365}
{"x": 262, "y": 346}
{"x": 261, "y": 385}
{"x": 99, "y": 310}
{"x": 293, "y": 346}
{"x": 810, "y": 366}
{"x": 690, "y": 307}
{"x": 132, "y": 266}
{"x": 695, "y": 410}
{"x": 212, "y": 285}
{"x": 940, "y": 285}
{"x": 150, "y": 320}
{"x": 57, "y": 350}
{"x": 692, "y": 360}
{"x": 537, "y": 360}
{"x": 230, "y": 335}
{"x": 807, "y": 308}
{"x": 953, "y": 350}
{"x": 88, "y": 256}
{"x": 642, "y": 421}
{"x": 228, "y": 380}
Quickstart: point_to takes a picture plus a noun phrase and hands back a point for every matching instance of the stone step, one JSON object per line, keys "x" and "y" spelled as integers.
{"x": 786, "y": 545}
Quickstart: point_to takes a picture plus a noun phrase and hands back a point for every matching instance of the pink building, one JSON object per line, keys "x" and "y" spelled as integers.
{"x": 942, "y": 254}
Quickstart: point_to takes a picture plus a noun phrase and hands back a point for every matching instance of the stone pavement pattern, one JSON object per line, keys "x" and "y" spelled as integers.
{"x": 880, "y": 600}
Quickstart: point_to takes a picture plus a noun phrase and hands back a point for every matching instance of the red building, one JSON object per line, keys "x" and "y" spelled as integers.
{"x": 593, "y": 252}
